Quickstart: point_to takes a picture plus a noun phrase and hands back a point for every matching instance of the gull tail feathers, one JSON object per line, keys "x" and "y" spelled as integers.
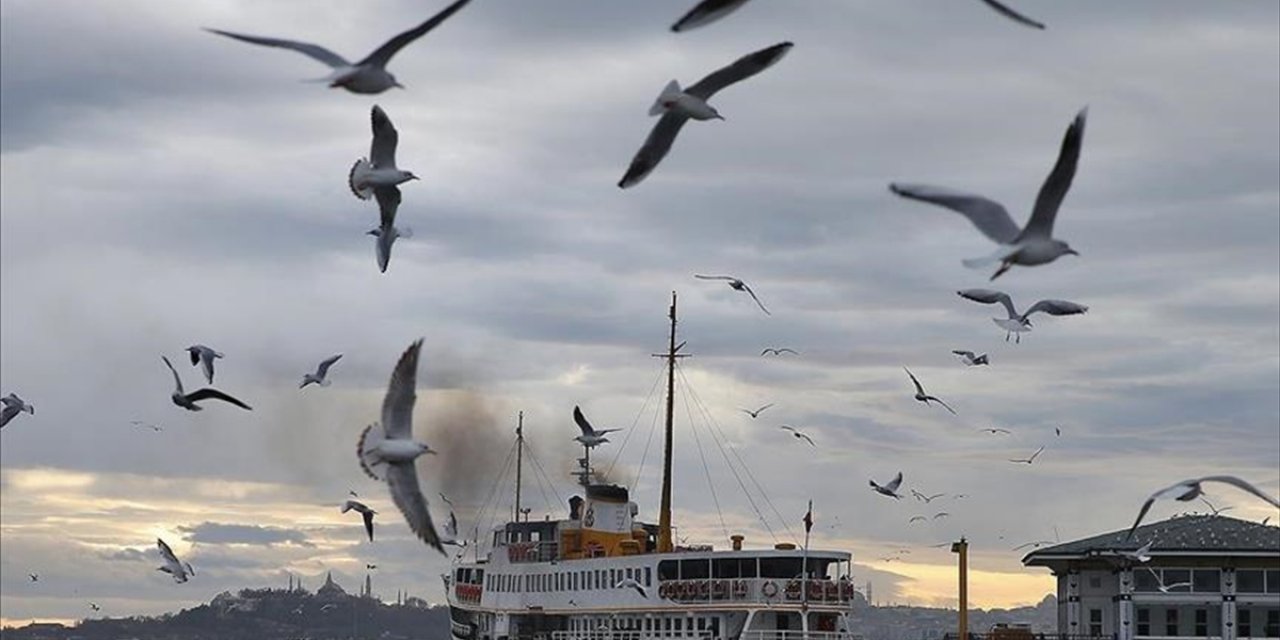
{"x": 669, "y": 94}
{"x": 355, "y": 179}
{"x": 370, "y": 438}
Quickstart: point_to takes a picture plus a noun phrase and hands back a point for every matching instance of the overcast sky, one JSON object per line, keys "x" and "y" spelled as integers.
{"x": 163, "y": 186}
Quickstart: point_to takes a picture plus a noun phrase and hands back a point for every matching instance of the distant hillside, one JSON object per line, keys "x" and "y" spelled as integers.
{"x": 917, "y": 623}
{"x": 265, "y": 614}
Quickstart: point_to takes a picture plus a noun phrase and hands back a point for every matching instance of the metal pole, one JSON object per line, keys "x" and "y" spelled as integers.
{"x": 962, "y": 548}
{"x": 519, "y": 459}
{"x": 664, "y": 515}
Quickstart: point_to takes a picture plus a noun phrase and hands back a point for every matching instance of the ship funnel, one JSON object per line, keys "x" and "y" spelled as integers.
{"x": 737, "y": 539}
{"x": 575, "y": 508}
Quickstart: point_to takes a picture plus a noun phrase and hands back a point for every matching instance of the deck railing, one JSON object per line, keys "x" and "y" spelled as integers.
{"x": 765, "y": 590}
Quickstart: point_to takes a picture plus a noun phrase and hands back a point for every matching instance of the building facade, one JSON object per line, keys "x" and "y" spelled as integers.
{"x": 1203, "y": 576}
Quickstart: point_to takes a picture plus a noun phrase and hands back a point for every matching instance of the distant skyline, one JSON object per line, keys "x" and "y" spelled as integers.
{"x": 164, "y": 187}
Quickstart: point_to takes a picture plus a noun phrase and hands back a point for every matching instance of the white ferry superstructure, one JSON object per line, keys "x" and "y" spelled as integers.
{"x": 572, "y": 578}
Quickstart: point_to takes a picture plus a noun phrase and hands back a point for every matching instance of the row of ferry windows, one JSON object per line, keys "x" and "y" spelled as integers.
{"x": 699, "y": 625}
{"x": 568, "y": 580}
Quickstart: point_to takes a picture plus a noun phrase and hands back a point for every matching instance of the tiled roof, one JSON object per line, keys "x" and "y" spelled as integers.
{"x": 1212, "y": 534}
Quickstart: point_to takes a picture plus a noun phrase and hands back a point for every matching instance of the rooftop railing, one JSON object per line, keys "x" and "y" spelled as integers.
{"x": 758, "y": 590}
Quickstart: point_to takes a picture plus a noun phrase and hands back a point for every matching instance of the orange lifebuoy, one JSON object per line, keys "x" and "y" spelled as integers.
{"x": 769, "y": 589}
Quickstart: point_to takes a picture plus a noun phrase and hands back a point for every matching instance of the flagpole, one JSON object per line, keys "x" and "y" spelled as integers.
{"x": 804, "y": 565}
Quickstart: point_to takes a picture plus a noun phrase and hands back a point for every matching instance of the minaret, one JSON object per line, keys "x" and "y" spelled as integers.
{"x": 368, "y": 586}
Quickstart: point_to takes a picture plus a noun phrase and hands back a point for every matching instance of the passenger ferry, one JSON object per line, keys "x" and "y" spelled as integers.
{"x": 601, "y": 574}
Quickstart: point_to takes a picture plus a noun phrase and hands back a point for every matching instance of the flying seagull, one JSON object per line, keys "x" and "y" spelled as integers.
{"x": 451, "y": 531}
{"x": 94, "y": 606}
{"x": 797, "y": 433}
{"x": 941, "y": 514}
{"x": 391, "y": 449}
{"x": 13, "y": 405}
{"x": 181, "y": 571}
{"x": 1013, "y": 15}
{"x": 1166, "y": 588}
{"x": 35, "y": 577}
{"x": 1189, "y": 490}
{"x": 778, "y": 352}
{"x": 365, "y": 512}
{"x": 996, "y": 430}
{"x": 970, "y": 358}
{"x": 1016, "y": 323}
{"x": 590, "y": 437}
{"x": 676, "y": 107}
{"x": 147, "y": 425}
{"x": 757, "y": 412}
{"x": 922, "y": 396}
{"x": 890, "y": 489}
{"x": 917, "y": 519}
{"x": 1031, "y": 459}
{"x": 736, "y": 285}
{"x": 203, "y": 356}
{"x": 370, "y": 567}
{"x": 188, "y": 400}
{"x": 924, "y": 498}
{"x": 1215, "y": 510}
{"x": 706, "y": 12}
{"x": 1141, "y": 554}
{"x": 366, "y": 76}
{"x": 630, "y": 583}
{"x": 378, "y": 171}
{"x": 322, "y": 371}
{"x": 1037, "y": 544}
{"x": 1033, "y": 244}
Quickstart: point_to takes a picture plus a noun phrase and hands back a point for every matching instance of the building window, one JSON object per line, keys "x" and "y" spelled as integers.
{"x": 1144, "y": 621}
{"x": 1206, "y": 581}
{"x": 1095, "y": 582}
{"x": 1095, "y": 622}
{"x": 1202, "y": 622}
{"x": 1273, "y": 623}
{"x": 1178, "y": 577}
{"x": 1244, "y": 623}
{"x": 1171, "y": 622}
{"x": 1250, "y": 581}
{"x": 1273, "y": 581}
{"x": 1144, "y": 581}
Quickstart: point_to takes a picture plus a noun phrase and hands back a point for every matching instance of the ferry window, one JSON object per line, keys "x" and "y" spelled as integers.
{"x": 1206, "y": 580}
{"x": 630, "y": 573}
{"x": 714, "y": 627}
{"x": 666, "y": 625}
{"x": 724, "y": 567}
{"x": 670, "y": 570}
{"x": 648, "y": 577}
{"x": 1249, "y": 581}
{"x": 679, "y": 625}
{"x": 573, "y": 580}
{"x": 786, "y": 568}
{"x": 695, "y": 569}
{"x": 479, "y": 576}
{"x": 747, "y": 567}
{"x": 702, "y": 623}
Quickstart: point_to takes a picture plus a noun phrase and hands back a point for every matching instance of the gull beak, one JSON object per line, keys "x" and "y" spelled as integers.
{"x": 397, "y": 84}
{"x": 1072, "y": 252}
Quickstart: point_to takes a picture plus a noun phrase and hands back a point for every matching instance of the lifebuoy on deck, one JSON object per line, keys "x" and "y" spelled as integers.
{"x": 769, "y": 589}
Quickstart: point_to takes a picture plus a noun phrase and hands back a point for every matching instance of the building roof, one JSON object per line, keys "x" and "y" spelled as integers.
{"x": 1180, "y": 535}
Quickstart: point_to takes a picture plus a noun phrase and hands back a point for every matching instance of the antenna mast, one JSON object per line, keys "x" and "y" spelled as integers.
{"x": 519, "y": 459}
{"x": 664, "y": 519}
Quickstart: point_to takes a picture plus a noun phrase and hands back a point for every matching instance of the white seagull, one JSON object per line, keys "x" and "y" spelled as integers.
{"x": 736, "y": 285}
{"x": 181, "y": 571}
{"x": 13, "y": 405}
{"x": 366, "y": 76}
{"x": 1013, "y": 15}
{"x": 1016, "y": 323}
{"x": 392, "y": 446}
{"x": 364, "y": 511}
{"x": 995, "y": 430}
{"x": 924, "y": 397}
{"x": 890, "y": 489}
{"x": 677, "y": 106}
{"x": 203, "y": 356}
{"x": 778, "y": 352}
{"x": 188, "y": 400}
{"x": 924, "y": 498}
{"x": 798, "y": 434}
{"x": 1033, "y": 244}
{"x": 451, "y": 531}
{"x": 1141, "y": 554}
{"x": 1189, "y": 490}
{"x": 630, "y": 583}
{"x": 590, "y": 437}
{"x": 706, "y": 12}
{"x": 1166, "y": 588}
{"x": 970, "y": 358}
{"x": 378, "y": 172}
{"x": 320, "y": 377}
